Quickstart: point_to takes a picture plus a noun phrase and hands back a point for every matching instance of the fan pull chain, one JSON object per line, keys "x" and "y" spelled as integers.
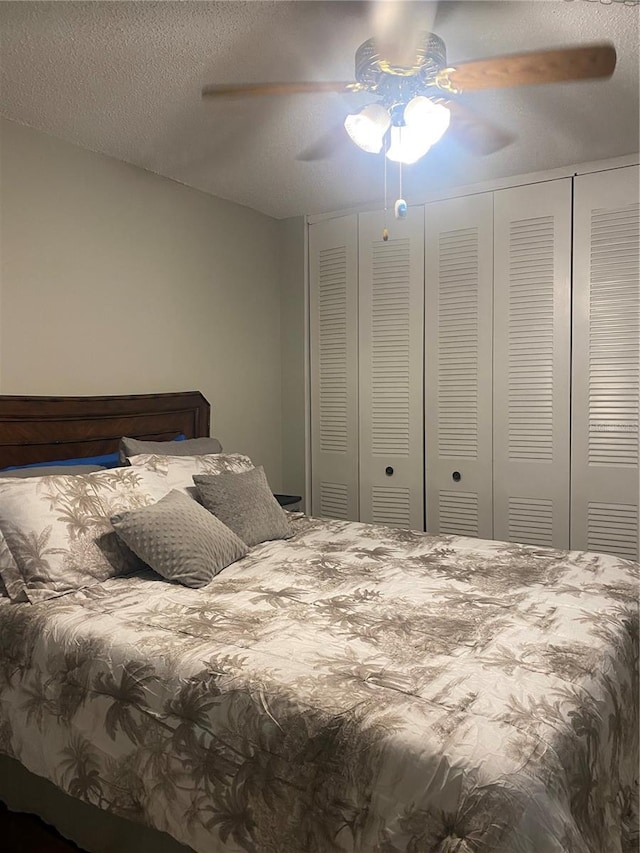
{"x": 385, "y": 230}
{"x": 400, "y": 208}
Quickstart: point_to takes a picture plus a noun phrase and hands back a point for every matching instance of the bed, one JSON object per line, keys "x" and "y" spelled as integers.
{"x": 351, "y": 688}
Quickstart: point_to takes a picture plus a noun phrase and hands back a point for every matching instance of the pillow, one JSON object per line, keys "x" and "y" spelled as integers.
{"x": 48, "y": 470}
{"x": 107, "y": 460}
{"x": 179, "y": 539}
{"x": 58, "y": 531}
{"x": 10, "y": 577}
{"x": 245, "y": 503}
{"x": 179, "y": 470}
{"x": 180, "y": 446}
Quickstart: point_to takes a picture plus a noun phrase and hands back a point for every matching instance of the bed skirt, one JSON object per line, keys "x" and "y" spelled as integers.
{"x": 89, "y": 827}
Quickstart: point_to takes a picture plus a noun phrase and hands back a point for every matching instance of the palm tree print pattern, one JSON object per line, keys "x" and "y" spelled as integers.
{"x": 354, "y": 688}
{"x": 178, "y": 471}
{"x": 56, "y": 530}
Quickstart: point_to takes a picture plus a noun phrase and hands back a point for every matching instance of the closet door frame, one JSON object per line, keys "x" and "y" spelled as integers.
{"x": 601, "y": 169}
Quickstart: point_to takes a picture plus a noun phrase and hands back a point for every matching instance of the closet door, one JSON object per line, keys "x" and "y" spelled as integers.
{"x": 458, "y": 299}
{"x": 531, "y": 365}
{"x": 606, "y": 344}
{"x": 391, "y": 345}
{"x": 333, "y": 317}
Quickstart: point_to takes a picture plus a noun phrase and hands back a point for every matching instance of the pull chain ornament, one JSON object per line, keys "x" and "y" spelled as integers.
{"x": 385, "y": 230}
{"x": 400, "y": 208}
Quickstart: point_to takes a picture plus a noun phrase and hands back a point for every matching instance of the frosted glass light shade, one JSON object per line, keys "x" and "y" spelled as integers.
{"x": 407, "y": 145}
{"x": 425, "y": 123}
{"x": 430, "y": 119}
{"x": 368, "y": 127}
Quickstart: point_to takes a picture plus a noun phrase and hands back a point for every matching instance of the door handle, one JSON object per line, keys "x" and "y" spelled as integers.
{"x": 388, "y": 471}
{"x": 456, "y": 476}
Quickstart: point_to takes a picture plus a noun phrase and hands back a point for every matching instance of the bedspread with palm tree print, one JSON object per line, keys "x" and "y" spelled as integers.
{"x": 355, "y": 688}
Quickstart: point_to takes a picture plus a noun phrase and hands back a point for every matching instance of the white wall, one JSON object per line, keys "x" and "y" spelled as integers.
{"x": 117, "y": 281}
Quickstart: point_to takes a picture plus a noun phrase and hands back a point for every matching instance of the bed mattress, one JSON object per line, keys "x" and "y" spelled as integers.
{"x": 354, "y": 688}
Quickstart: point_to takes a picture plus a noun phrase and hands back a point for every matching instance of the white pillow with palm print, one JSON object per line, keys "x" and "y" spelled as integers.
{"x": 12, "y": 585}
{"x": 59, "y": 533}
{"x": 179, "y": 470}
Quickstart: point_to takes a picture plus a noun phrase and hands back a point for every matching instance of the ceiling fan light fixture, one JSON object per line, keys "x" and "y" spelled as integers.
{"x": 425, "y": 122}
{"x": 406, "y": 145}
{"x": 430, "y": 118}
{"x": 368, "y": 127}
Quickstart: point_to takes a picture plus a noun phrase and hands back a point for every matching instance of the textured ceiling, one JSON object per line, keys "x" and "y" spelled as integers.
{"x": 124, "y": 79}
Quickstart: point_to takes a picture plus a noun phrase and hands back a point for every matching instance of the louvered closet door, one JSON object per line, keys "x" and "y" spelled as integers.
{"x": 391, "y": 341}
{"x": 458, "y": 304}
{"x": 606, "y": 344}
{"x": 532, "y": 299}
{"x": 333, "y": 316}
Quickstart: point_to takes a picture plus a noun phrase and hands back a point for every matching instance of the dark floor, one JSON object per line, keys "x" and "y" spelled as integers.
{"x": 21, "y": 833}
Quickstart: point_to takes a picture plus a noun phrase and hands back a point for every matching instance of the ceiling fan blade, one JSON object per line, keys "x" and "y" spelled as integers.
{"x": 527, "y": 69}
{"x": 234, "y": 90}
{"x": 474, "y": 132}
{"x": 398, "y": 26}
{"x": 330, "y": 143}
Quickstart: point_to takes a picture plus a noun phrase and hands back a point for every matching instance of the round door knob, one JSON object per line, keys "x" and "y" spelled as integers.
{"x": 456, "y": 476}
{"x": 388, "y": 470}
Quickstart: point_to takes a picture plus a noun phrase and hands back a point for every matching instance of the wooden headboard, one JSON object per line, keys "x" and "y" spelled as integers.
{"x": 43, "y": 429}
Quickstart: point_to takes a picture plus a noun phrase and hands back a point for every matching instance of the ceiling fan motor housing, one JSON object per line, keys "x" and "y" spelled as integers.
{"x": 396, "y": 84}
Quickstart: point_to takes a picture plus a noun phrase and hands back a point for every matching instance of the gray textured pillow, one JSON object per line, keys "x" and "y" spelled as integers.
{"x": 179, "y": 539}
{"x": 245, "y": 503}
{"x": 188, "y": 447}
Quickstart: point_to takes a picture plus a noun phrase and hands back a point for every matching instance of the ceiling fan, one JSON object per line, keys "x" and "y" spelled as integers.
{"x": 416, "y": 93}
